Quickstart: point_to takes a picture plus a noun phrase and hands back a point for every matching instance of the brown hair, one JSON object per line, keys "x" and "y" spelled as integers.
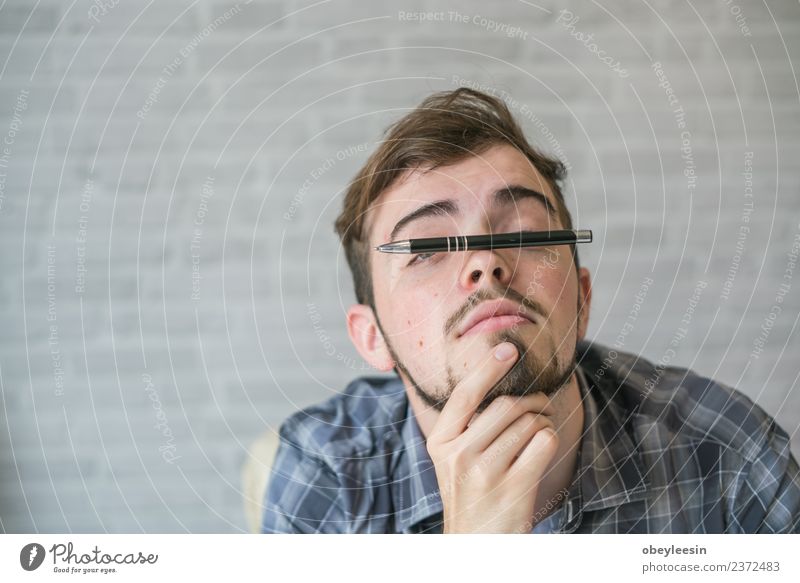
{"x": 444, "y": 129}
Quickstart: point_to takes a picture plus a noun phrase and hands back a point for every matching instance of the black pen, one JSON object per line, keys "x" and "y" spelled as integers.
{"x": 495, "y": 241}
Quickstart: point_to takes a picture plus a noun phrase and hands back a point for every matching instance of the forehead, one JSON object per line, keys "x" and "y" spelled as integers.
{"x": 469, "y": 182}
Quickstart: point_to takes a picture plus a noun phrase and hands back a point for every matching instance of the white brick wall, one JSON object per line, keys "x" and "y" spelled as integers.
{"x": 258, "y": 102}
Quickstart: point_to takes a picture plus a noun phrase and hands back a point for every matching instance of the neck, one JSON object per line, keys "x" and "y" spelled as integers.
{"x": 559, "y": 476}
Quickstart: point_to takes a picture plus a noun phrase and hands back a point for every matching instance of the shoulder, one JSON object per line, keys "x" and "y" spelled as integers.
{"x": 683, "y": 403}
{"x": 327, "y": 456}
{"x": 352, "y": 424}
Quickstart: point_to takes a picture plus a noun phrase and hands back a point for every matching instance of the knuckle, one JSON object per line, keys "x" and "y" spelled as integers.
{"x": 520, "y": 408}
{"x": 505, "y": 402}
{"x": 548, "y": 441}
{"x": 454, "y": 456}
{"x": 529, "y": 419}
{"x": 457, "y": 466}
{"x": 434, "y": 447}
{"x": 431, "y": 447}
{"x": 461, "y": 399}
{"x": 482, "y": 479}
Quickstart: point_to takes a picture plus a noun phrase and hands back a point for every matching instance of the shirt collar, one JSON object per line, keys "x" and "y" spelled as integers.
{"x": 610, "y": 471}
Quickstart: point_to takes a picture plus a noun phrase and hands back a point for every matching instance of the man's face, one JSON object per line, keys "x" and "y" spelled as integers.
{"x": 441, "y": 314}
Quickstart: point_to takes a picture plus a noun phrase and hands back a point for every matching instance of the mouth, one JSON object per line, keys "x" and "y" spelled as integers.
{"x": 495, "y": 315}
{"x": 496, "y": 323}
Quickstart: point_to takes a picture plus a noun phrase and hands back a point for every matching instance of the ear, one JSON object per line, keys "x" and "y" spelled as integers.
{"x": 584, "y": 301}
{"x": 367, "y": 338}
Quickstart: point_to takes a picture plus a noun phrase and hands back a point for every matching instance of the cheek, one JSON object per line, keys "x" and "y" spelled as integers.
{"x": 412, "y": 309}
{"x": 421, "y": 320}
{"x": 415, "y": 323}
{"x": 554, "y": 286}
{"x": 546, "y": 278}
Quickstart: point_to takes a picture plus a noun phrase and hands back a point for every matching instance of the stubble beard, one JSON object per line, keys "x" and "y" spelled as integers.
{"x": 528, "y": 374}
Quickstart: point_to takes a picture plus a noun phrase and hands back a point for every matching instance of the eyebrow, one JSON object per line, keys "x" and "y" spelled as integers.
{"x": 448, "y": 207}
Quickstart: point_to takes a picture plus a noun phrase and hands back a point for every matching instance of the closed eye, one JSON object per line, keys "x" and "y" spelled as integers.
{"x": 421, "y": 258}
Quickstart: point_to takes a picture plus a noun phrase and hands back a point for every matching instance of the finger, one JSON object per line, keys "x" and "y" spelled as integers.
{"x": 537, "y": 454}
{"x": 501, "y": 413}
{"x": 469, "y": 393}
{"x": 504, "y": 450}
{"x": 535, "y": 401}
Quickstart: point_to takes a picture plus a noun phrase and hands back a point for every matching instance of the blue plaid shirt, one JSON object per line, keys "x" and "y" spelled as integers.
{"x": 663, "y": 450}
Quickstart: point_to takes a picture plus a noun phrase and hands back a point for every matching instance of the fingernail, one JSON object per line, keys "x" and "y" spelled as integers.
{"x": 505, "y": 351}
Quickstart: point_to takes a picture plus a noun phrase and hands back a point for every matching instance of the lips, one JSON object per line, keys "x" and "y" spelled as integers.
{"x": 494, "y": 315}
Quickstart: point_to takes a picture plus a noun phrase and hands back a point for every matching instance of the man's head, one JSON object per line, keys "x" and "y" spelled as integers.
{"x": 460, "y": 164}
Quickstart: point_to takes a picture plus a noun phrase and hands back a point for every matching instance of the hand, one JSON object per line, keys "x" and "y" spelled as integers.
{"x": 489, "y": 466}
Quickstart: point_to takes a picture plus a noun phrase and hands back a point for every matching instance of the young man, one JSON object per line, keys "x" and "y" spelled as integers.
{"x": 502, "y": 417}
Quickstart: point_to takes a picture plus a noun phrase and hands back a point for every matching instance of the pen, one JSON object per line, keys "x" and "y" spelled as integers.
{"x": 495, "y": 241}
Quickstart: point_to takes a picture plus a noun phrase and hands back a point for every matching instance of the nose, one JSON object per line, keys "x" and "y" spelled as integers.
{"x": 482, "y": 265}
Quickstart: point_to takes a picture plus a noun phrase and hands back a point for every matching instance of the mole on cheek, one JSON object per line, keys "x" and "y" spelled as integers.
{"x": 421, "y": 343}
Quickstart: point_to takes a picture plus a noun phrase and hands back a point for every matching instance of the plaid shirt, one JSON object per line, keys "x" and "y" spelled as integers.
{"x": 663, "y": 450}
